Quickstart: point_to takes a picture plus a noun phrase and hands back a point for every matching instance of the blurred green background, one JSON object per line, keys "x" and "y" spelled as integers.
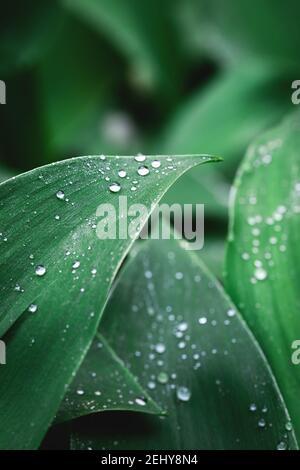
{"x": 125, "y": 76}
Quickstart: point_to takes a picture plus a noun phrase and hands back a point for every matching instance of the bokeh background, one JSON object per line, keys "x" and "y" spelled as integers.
{"x": 153, "y": 76}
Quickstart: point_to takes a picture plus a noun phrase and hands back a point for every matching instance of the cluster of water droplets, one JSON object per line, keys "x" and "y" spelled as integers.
{"x": 133, "y": 173}
{"x": 263, "y": 424}
{"x": 266, "y": 239}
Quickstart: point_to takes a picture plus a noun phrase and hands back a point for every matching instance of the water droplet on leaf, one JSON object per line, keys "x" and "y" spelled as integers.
{"x": 183, "y": 393}
{"x": 60, "y": 195}
{"x": 40, "y": 270}
{"x": 32, "y": 308}
{"x": 114, "y": 188}
{"x": 143, "y": 171}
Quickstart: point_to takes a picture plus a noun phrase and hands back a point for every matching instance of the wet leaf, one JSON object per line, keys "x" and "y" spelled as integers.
{"x": 184, "y": 340}
{"x": 54, "y": 264}
{"x": 263, "y": 256}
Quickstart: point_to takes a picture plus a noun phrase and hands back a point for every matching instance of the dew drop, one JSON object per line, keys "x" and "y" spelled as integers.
{"x": 140, "y": 158}
{"x": 76, "y": 264}
{"x": 40, "y": 270}
{"x": 140, "y": 401}
{"x": 32, "y": 308}
{"x": 80, "y": 392}
{"x": 60, "y": 195}
{"x": 183, "y": 393}
{"x": 155, "y": 164}
{"x": 202, "y": 320}
{"x": 160, "y": 348}
{"x": 179, "y": 276}
{"x": 260, "y": 274}
{"x": 288, "y": 426}
{"x": 231, "y": 312}
{"x": 281, "y": 446}
{"x": 122, "y": 173}
{"x": 143, "y": 171}
{"x": 151, "y": 385}
{"x": 261, "y": 423}
{"x": 267, "y": 159}
{"x": 114, "y": 188}
{"x": 162, "y": 378}
{"x": 183, "y": 326}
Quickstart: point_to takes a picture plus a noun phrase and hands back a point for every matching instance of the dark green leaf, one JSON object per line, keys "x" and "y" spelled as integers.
{"x": 27, "y": 29}
{"x": 181, "y": 336}
{"x": 144, "y": 31}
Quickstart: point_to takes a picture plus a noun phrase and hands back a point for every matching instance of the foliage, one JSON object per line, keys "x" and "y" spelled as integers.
{"x": 114, "y": 326}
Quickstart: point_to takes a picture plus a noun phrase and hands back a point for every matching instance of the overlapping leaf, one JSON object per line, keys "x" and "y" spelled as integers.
{"x": 52, "y": 259}
{"x": 179, "y": 333}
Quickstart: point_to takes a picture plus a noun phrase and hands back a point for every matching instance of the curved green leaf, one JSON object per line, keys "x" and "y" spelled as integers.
{"x": 51, "y": 257}
{"x": 213, "y": 253}
{"x": 144, "y": 31}
{"x": 263, "y": 259}
{"x": 183, "y": 339}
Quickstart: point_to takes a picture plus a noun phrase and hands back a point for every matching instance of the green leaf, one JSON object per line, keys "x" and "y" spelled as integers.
{"x": 241, "y": 29}
{"x": 263, "y": 259}
{"x": 181, "y": 336}
{"x": 213, "y": 253}
{"x": 145, "y": 36}
{"x": 74, "y": 102}
{"x": 48, "y": 224}
{"x": 104, "y": 384}
{"x": 222, "y": 120}
{"x": 209, "y": 189}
